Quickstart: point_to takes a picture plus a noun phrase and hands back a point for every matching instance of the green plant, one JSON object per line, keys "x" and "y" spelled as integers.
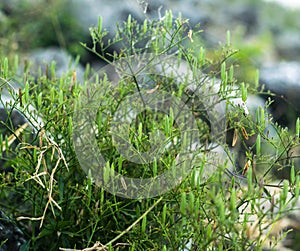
{"x": 63, "y": 208}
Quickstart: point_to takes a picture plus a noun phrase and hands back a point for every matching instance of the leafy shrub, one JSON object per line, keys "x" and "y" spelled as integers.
{"x": 59, "y": 206}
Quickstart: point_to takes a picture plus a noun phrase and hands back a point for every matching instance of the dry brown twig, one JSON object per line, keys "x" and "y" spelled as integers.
{"x": 53, "y": 146}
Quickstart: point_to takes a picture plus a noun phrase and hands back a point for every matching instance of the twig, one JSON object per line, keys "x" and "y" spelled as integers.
{"x": 36, "y": 176}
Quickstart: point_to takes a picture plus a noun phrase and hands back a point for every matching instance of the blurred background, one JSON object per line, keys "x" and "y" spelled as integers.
{"x": 266, "y": 33}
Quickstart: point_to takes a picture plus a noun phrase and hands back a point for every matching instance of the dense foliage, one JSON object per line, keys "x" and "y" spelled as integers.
{"x": 59, "y": 206}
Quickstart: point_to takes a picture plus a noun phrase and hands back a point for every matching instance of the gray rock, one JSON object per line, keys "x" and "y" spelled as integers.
{"x": 10, "y": 234}
{"x": 64, "y": 63}
{"x": 283, "y": 79}
{"x": 288, "y": 45}
{"x": 117, "y": 11}
{"x": 87, "y": 12}
{"x": 214, "y": 17}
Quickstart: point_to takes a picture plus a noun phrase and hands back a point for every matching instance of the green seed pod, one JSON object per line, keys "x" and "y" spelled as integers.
{"x": 191, "y": 201}
{"x": 35, "y": 154}
{"x": 61, "y": 97}
{"x": 26, "y": 92}
{"x": 154, "y": 167}
{"x": 120, "y": 164}
{"x": 223, "y": 71}
{"x": 112, "y": 171}
{"x": 297, "y": 127}
{"x": 221, "y": 210}
{"x": 209, "y": 231}
{"x": 168, "y": 19}
{"x": 201, "y": 56}
{"x": 61, "y": 84}
{"x": 256, "y": 82}
{"x": 144, "y": 224}
{"x": 39, "y": 100}
{"x": 129, "y": 23}
{"x": 262, "y": 117}
{"x": 87, "y": 71}
{"x": 164, "y": 215}
{"x": 258, "y": 144}
{"x": 140, "y": 132}
{"x": 99, "y": 25}
{"x": 231, "y": 73}
{"x": 70, "y": 126}
{"x": 244, "y": 92}
{"x": 285, "y": 190}
{"x": 233, "y": 200}
{"x": 138, "y": 211}
{"x": 228, "y": 38}
{"x": 106, "y": 173}
{"x": 5, "y": 68}
{"x": 99, "y": 121}
{"x": 145, "y": 26}
{"x": 193, "y": 177}
{"x": 183, "y": 204}
{"x": 293, "y": 175}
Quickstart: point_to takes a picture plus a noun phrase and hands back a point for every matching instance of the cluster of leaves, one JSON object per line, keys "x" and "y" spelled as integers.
{"x": 59, "y": 206}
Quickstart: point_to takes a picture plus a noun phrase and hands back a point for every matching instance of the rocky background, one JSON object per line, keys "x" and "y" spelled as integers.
{"x": 267, "y": 33}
